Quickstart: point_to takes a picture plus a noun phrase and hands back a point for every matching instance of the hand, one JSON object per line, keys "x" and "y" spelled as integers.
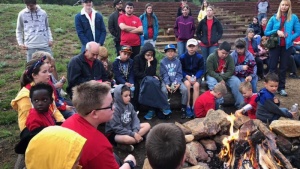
{"x": 280, "y": 34}
{"x": 169, "y": 88}
{"x": 23, "y": 47}
{"x": 107, "y": 82}
{"x": 50, "y": 43}
{"x": 276, "y": 100}
{"x": 130, "y": 157}
{"x": 128, "y": 84}
{"x": 69, "y": 108}
{"x": 176, "y": 87}
{"x": 248, "y": 78}
{"x": 138, "y": 138}
{"x": 58, "y": 85}
{"x": 239, "y": 112}
{"x": 156, "y": 77}
{"x": 245, "y": 67}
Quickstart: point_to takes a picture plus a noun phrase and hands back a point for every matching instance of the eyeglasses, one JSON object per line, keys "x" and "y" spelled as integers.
{"x": 104, "y": 108}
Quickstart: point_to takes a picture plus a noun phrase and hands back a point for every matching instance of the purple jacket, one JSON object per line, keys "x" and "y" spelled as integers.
{"x": 184, "y": 28}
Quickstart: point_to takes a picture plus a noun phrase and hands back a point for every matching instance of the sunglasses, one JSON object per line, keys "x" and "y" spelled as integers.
{"x": 104, "y": 108}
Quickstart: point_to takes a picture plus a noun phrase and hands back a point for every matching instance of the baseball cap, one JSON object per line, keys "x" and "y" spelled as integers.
{"x": 192, "y": 42}
{"x": 171, "y": 46}
{"x": 126, "y": 49}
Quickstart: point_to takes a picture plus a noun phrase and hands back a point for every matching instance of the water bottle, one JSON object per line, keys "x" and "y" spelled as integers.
{"x": 294, "y": 108}
{"x": 132, "y": 88}
{"x": 193, "y": 78}
{"x": 173, "y": 85}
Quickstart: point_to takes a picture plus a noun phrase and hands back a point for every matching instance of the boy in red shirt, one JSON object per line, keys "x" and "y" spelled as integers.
{"x": 207, "y": 100}
{"x": 249, "y": 98}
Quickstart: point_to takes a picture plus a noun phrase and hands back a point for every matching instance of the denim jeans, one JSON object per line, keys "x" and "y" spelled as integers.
{"x": 32, "y": 50}
{"x": 260, "y": 16}
{"x": 253, "y": 83}
{"x": 181, "y": 47}
{"x": 258, "y": 39}
{"x": 182, "y": 89}
{"x": 282, "y": 54}
{"x": 233, "y": 83}
{"x": 206, "y": 51}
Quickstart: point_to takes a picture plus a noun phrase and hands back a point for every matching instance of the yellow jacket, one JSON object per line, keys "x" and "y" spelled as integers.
{"x": 202, "y": 14}
{"x": 22, "y": 105}
{"x": 54, "y": 147}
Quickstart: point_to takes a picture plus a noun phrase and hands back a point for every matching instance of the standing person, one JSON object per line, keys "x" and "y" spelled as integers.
{"x": 179, "y": 10}
{"x": 94, "y": 104}
{"x": 209, "y": 32}
{"x": 85, "y": 67}
{"x": 245, "y": 66}
{"x": 150, "y": 25}
{"x": 283, "y": 23}
{"x": 89, "y": 25}
{"x": 262, "y": 8}
{"x": 33, "y": 32}
{"x": 220, "y": 69}
{"x": 202, "y": 12}
{"x": 131, "y": 29}
{"x": 113, "y": 25}
{"x": 256, "y": 28}
{"x": 184, "y": 29}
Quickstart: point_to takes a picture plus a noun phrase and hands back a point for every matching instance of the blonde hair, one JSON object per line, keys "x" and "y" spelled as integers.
{"x": 245, "y": 85}
{"x": 289, "y": 12}
{"x": 219, "y": 87}
{"x": 103, "y": 53}
{"x": 40, "y": 54}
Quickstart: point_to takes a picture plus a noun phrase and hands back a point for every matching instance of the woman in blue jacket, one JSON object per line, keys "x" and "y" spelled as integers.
{"x": 284, "y": 48}
{"x": 150, "y": 26}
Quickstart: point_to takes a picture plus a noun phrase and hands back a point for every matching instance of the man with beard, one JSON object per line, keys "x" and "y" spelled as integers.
{"x": 113, "y": 25}
{"x": 131, "y": 28}
{"x": 89, "y": 25}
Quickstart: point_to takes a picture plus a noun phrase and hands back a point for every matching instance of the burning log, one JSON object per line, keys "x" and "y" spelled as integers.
{"x": 271, "y": 141}
{"x": 265, "y": 160}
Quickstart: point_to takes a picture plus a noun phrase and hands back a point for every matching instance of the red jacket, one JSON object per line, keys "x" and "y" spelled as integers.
{"x": 36, "y": 120}
{"x": 203, "y": 103}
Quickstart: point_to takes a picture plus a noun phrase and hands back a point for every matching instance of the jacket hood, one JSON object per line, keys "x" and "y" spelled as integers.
{"x": 24, "y": 92}
{"x": 54, "y": 147}
{"x": 147, "y": 47}
{"x": 118, "y": 96}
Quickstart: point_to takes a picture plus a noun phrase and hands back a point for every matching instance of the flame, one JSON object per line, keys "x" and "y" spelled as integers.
{"x": 226, "y": 152}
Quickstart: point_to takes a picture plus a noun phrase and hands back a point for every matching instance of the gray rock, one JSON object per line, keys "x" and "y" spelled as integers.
{"x": 209, "y": 144}
{"x": 287, "y": 128}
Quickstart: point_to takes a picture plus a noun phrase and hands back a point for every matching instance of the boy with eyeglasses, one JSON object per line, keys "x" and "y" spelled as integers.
{"x": 94, "y": 104}
{"x": 125, "y": 129}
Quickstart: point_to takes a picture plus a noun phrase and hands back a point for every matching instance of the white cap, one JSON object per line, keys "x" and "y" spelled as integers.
{"x": 192, "y": 42}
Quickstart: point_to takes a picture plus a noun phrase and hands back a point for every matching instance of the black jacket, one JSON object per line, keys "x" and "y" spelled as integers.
{"x": 140, "y": 69}
{"x": 256, "y": 28}
{"x": 113, "y": 26}
{"x": 79, "y": 72}
{"x": 216, "y": 31}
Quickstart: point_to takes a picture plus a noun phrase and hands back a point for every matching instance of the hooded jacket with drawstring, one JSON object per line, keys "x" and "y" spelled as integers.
{"x": 125, "y": 120}
{"x": 54, "y": 147}
{"x": 33, "y": 28}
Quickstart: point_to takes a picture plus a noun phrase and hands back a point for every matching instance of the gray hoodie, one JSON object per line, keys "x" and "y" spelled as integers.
{"x": 125, "y": 120}
{"x": 170, "y": 69}
{"x": 33, "y": 28}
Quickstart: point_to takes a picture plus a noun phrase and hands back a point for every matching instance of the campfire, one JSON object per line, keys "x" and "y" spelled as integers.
{"x": 224, "y": 141}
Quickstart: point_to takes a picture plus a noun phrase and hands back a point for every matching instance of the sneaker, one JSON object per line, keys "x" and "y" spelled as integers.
{"x": 294, "y": 76}
{"x": 183, "y": 113}
{"x": 167, "y": 111}
{"x": 282, "y": 92}
{"x": 126, "y": 147}
{"x": 149, "y": 115}
{"x": 189, "y": 113}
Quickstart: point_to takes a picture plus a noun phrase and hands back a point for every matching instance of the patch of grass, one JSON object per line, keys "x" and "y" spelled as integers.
{"x": 3, "y": 65}
{"x": 8, "y": 56}
{"x": 18, "y": 73}
{"x": 5, "y": 133}
{"x": 2, "y": 82}
{"x": 8, "y": 117}
{"x": 7, "y": 166}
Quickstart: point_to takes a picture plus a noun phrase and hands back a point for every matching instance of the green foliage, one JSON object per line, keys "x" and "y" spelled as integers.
{"x": 2, "y": 82}
{"x": 3, "y": 65}
{"x": 5, "y": 133}
{"x": 8, "y": 117}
